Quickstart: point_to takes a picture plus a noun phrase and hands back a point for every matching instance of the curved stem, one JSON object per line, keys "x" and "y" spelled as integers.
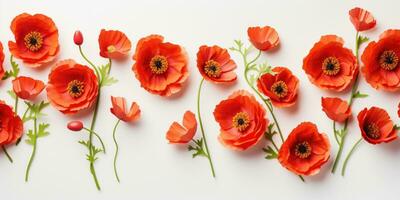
{"x": 349, "y": 155}
{"x": 84, "y": 57}
{"x": 33, "y": 150}
{"x": 334, "y": 132}
{"x": 202, "y": 128}
{"x": 23, "y": 120}
{"x": 8, "y": 155}
{"x": 98, "y": 137}
{"x": 116, "y": 150}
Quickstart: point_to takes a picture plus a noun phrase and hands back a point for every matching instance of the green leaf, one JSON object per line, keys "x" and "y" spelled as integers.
{"x": 12, "y": 94}
{"x": 362, "y": 39}
{"x": 13, "y": 72}
{"x": 105, "y": 78}
{"x": 198, "y": 149}
{"x": 270, "y": 132}
{"x": 397, "y": 127}
{"x": 270, "y": 153}
{"x": 42, "y": 130}
{"x": 359, "y": 95}
{"x": 31, "y": 137}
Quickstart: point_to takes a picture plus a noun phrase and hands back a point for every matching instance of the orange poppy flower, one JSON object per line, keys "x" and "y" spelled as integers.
{"x": 27, "y": 88}
{"x": 215, "y": 64}
{"x": 305, "y": 150}
{"x": 72, "y": 87}
{"x": 2, "y": 71}
{"x": 242, "y": 121}
{"x": 362, "y": 19}
{"x": 263, "y": 38}
{"x": 183, "y": 134}
{"x": 114, "y": 44}
{"x": 335, "y": 108}
{"x": 36, "y": 39}
{"x": 329, "y": 65}
{"x": 381, "y": 61}
{"x": 119, "y": 109}
{"x": 160, "y": 67}
{"x": 11, "y": 126}
{"x": 376, "y": 125}
{"x": 280, "y": 86}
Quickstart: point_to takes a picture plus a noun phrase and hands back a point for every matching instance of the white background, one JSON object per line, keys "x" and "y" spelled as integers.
{"x": 149, "y": 167}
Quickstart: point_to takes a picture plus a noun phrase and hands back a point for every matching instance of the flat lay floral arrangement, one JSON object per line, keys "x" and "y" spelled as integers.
{"x": 162, "y": 68}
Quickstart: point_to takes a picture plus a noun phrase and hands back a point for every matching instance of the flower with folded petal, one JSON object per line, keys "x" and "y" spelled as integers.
{"x": 242, "y": 121}
{"x": 72, "y": 87}
{"x": 120, "y": 111}
{"x": 114, "y": 44}
{"x": 184, "y": 133}
{"x": 381, "y": 61}
{"x": 336, "y": 109}
{"x": 280, "y": 86}
{"x": 362, "y": 19}
{"x": 11, "y": 126}
{"x": 27, "y": 88}
{"x": 305, "y": 150}
{"x": 329, "y": 65}
{"x": 160, "y": 67}
{"x": 376, "y": 125}
{"x": 215, "y": 64}
{"x": 263, "y": 38}
{"x": 2, "y": 71}
{"x": 36, "y": 39}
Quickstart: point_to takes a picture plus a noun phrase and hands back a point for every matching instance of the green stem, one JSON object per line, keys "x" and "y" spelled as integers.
{"x": 16, "y": 105}
{"x": 349, "y": 155}
{"x": 8, "y": 155}
{"x": 116, "y": 150}
{"x": 98, "y": 137}
{"x": 23, "y": 120}
{"x": 33, "y": 150}
{"x": 202, "y": 129}
{"x": 334, "y": 132}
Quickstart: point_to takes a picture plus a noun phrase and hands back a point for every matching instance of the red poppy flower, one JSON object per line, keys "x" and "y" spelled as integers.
{"x": 362, "y": 19}
{"x": 161, "y": 67}
{"x": 36, "y": 39}
{"x": 215, "y": 64}
{"x": 27, "y": 88}
{"x": 114, "y": 44}
{"x": 11, "y": 126}
{"x": 329, "y": 65}
{"x": 72, "y": 87}
{"x": 183, "y": 134}
{"x": 242, "y": 121}
{"x": 381, "y": 61}
{"x": 263, "y": 38}
{"x": 119, "y": 109}
{"x": 336, "y": 109}
{"x": 305, "y": 150}
{"x": 280, "y": 86}
{"x": 2, "y": 71}
{"x": 376, "y": 125}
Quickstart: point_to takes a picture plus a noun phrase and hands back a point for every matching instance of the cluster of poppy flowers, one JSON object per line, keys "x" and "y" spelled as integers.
{"x": 162, "y": 69}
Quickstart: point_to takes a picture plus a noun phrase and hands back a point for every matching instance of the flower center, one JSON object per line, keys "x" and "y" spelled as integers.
{"x": 111, "y": 48}
{"x": 330, "y": 66}
{"x": 241, "y": 121}
{"x": 33, "y": 41}
{"x": 76, "y": 88}
{"x": 280, "y": 89}
{"x": 388, "y": 60}
{"x": 302, "y": 150}
{"x": 212, "y": 69}
{"x": 372, "y": 131}
{"x": 158, "y": 64}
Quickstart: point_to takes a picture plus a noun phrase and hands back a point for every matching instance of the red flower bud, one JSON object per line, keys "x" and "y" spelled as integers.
{"x": 78, "y": 38}
{"x": 75, "y": 125}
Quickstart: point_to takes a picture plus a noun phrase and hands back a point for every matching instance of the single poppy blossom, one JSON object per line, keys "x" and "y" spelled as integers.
{"x": 336, "y": 109}
{"x": 329, "y": 65}
{"x": 181, "y": 134}
{"x": 72, "y": 87}
{"x": 215, "y": 64}
{"x": 263, "y": 38}
{"x": 305, "y": 150}
{"x": 376, "y": 125}
{"x": 242, "y": 121}
{"x": 11, "y": 126}
{"x": 36, "y": 39}
{"x": 280, "y": 86}
{"x": 114, "y": 44}
{"x": 160, "y": 67}
{"x": 27, "y": 88}
{"x": 381, "y": 61}
{"x": 2, "y": 71}
{"x": 362, "y": 19}
{"x": 119, "y": 109}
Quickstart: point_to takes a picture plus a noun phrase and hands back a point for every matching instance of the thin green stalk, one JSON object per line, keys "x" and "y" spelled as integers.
{"x": 23, "y": 120}
{"x": 8, "y": 155}
{"x": 348, "y": 155}
{"x": 116, "y": 150}
{"x": 98, "y": 137}
{"x": 202, "y": 129}
{"x": 33, "y": 150}
{"x": 16, "y": 105}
